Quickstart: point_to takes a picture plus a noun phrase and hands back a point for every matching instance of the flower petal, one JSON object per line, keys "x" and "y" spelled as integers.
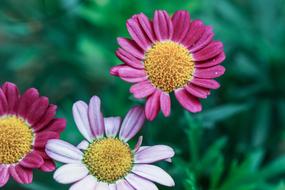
{"x": 165, "y": 104}
{"x": 129, "y": 59}
{"x": 12, "y": 95}
{"x": 197, "y": 91}
{"x": 83, "y": 145}
{"x": 211, "y": 62}
{"x": 63, "y": 152}
{"x": 194, "y": 33}
{"x": 102, "y": 186}
{"x": 42, "y": 138}
{"x": 138, "y": 145}
{"x": 87, "y": 183}
{"x": 129, "y": 72}
{"x": 146, "y": 26}
{"x": 80, "y": 114}
{"x": 26, "y": 100}
{"x": 162, "y": 25}
{"x": 96, "y": 119}
{"x": 209, "y": 73}
{"x": 70, "y": 173}
{"x": 112, "y": 187}
{"x": 147, "y": 155}
{"x": 204, "y": 40}
{"x": 112, "y": 126}
{"x": 142, "y": 89}
{"x": 56, "y": 125}
{"x": 188, "y": 101}
{"x": 206, "y": 83}
{"x": 3, "y": 103}
{"x": 21, "y": 175}
{"x": 140, "y": 183}
{"x": 4, "y": 173}
{"x": 152, "y": 105}
{"x": 123, "y": 185}
{"x": 181, "y": 25}
{"x": 131, "y": 47}
{"x": 48, "y": 166}
{"x": 210, "y": 51}
{"x": 115, "y": 70}
{"x": 46, "y": 118}
{"x": 153, "y": 173}
{"x": 37, "y": 110}
{"x": 32, "y": 160}
{"x": 132, "y": 123}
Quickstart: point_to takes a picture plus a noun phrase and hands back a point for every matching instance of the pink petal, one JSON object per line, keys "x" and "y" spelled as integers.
{"x": 56, "y": 125}
{"x": 162, "y": 25}
{"x": 80, "y": 115}
{"x": 95, "y": 116}
{"x": 140, "y": 183}
{"x": 129, "y": 59}
{"x": 26, "y": 100}
{"x": 153, "y": 173}
{"x": 211, "y": 62}
{"x": 46, "y": 118}
{"x": 181, "y": 25}
{"x": 21, "y": 175}
{"x": 147, "y": 155}
{"x": 206, "y": 83}
{"x": 32, "y": 160}
{"x": 132, "y": 123}
{"x": 123, "y": 185}
{"x": 142, "y": 89}
{"x": 48, "y": 166}
{"x": 146, "y": 26}
{"x": 152, "y": 105}
{"x": 204, "y": 40}
{"x": 209, "y": 73}
{"x": 134, "y": 80}
{"x": 43, "y": 137}
{"x": 188, "y": 101}
{"x": 131, "y": 47}
{"x": 139, "y": 143}
{"x": 208, "y": 52}
{"x": 128, "y": 72}
{"x": 112, "y": 126}
{"x": 165, "y": 104}
{"x": 37, "y": 110}
{"x": 12, "y": 95}
{"x": 3, "y": 103}
{"x": 195, "y": 32}
{"x": 197, "y": 91}
{"x": 4, "y": 173}
{"x": 115, "y": 70}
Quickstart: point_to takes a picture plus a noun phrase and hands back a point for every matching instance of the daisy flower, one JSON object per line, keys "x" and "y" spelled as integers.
{"x": 26, "y": 124}
{"x": 169, "y": 54}
{"x": 105, "y": 161}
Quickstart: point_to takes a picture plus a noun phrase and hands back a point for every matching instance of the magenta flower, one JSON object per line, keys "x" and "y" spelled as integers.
{"x": 169, "y": 54}
{"x": 105, "y": 161}
{"x": 26, "y": 123}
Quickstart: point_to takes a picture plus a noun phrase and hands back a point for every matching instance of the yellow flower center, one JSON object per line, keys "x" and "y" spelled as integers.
{"x": 108, "y": 159}
{"x": 169, "y": 65}
{"x": 16, "y": 139}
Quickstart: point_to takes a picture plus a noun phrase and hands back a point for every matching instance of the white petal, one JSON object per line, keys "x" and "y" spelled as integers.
{"x": 95, "y": 116}
{"x": 140, "y": 183}
{"x": 63, "y": 152}
{"x": 83, "y": 145}
{"x": 123, "y": 185}
{"x": 70, "y": 173}
{"x": 153, "y": 154}
{"x": 112, "y": 187}
{"x": 80, "y": 114}
{"x": 87, "y": 183}
{"x": 112, "y": 126}
{"x": 153, "y": 173}
{"x": 102, "y": 186}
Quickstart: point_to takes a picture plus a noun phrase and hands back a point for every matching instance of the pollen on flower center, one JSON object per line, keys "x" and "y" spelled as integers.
{"x": 108, "y": 159}
{"x": 169, "y": 65}
{"x": 16, "y": 139}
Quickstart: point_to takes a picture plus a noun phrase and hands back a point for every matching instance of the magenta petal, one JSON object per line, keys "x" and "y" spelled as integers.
{"x": 21, "y": 175}
{"x": 188, "y": 101}
{"x": 195, "y": 32}
{"x": 37, "y": 110}
{"x": 131, "y": 47}
{"x": 197, "y": 91}
{"x": 115, "y": 70}
{"x": 137, "y": 34}
{"x": 26, "y": 100}
{"x": 4, "y": 173}
{"x": 47, "y": 117}
{"x": 181, "y": 25}
{"x": 129, "y": 59}
{"x": 3, "y": 103}
{"x": 209, "y": 73}
{"x": 95, "y": 116}
{"x": 32, "y": 160}
{"x": 129, "y": 72}
{"x": 152, "y": 105}
{"x": 142, "y": 89}
{"x": 132, "y": 123}
{"x": 206, "y": 83}
{"x": 12, "y": 95}
{"x": 48, "y": 166}
{"x": 43, "y": 137}
{"x": 165, "y": 104}
{"x": 162, "y": 25}
{"x": 211, "y": 62}
{"x": 56, "y": 125}
{"x": 210, "y": 51}
{"x": 204, "y": 40}
{"x": 147, "y": 27}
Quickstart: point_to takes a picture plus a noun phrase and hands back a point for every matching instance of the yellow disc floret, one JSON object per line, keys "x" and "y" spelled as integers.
{"x": 16, "y": 139}
{"x": 108, "y": 159}
{"x": 169, "y": 65}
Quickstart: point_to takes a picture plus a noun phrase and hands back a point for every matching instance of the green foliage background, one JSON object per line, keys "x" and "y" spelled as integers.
{"x": 65, "y": 48}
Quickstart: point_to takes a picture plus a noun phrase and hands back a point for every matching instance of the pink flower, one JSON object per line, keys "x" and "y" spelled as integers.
{"x": 169, "y": 54}
{"x": 105, "y": 161}
{"x": 26, "y": 124}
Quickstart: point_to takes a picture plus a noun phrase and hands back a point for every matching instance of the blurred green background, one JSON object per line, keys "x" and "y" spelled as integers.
{"x": 65, "y": 48}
